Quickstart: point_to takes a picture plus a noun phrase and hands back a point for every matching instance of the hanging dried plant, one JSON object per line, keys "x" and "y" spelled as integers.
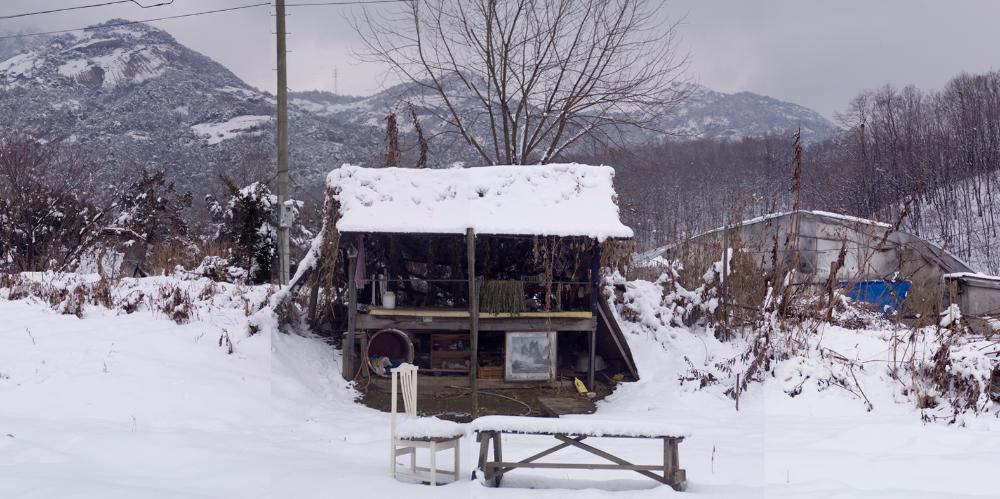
{"x": 501, "y": 297}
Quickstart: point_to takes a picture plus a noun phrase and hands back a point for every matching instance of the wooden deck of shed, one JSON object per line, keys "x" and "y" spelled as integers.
{"x": 461, "y": 320}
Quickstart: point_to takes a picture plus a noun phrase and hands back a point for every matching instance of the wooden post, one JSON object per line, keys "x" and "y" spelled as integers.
{"x": 470, "y": 249}
{"x": 593, "y": 357}
{"x": 595, "y": 277}
{"x": 725, "y": 281}
{"x": 314, "y": 301}
{"x": 282, "y": 136}
{"x": 362, "y": 362}
{"x": 352, "y": 312}
{"x": 737, "y": 392}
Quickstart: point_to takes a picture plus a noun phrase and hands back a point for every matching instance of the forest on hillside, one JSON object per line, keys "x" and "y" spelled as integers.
{"x": 929, "y": 158}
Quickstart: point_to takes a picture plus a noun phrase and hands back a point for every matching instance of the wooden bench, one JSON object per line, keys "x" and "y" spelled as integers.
{"x": 572, "y": 433}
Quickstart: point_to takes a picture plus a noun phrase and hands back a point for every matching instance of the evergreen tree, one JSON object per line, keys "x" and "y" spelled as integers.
{"x": 247, "y": 222}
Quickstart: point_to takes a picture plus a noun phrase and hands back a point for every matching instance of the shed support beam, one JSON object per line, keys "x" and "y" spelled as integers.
{"x": 593, "y": 355}
{"x": 470, "y": 248}
{"x": 352, "y": 312}
{"x": 595, "y": 279}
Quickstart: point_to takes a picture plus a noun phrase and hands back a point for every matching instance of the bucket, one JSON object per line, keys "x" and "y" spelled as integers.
{"x": 389, "y": 300}
{"x": 392, "y": 344}
{"x": 583, "y": 362}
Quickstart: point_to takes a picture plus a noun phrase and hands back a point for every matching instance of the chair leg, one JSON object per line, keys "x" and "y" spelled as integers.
{"x": 433, "y": 463}
{"x": 392, "y": 460}
{"x": 458, "y": 459}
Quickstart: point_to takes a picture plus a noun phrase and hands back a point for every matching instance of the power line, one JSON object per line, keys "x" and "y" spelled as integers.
{"x": 90, "y": 6}
{"x": 354, "y": 2}
{"x": 129, "y": 23}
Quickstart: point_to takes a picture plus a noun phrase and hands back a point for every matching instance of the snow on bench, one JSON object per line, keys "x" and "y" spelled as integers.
{"x": 582, "y": 426}
{"x": 429, "y": 428}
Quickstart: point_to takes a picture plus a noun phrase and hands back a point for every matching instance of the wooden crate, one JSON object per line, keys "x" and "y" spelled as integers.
{"x": 445, "y": 351}
{"x": 490, "y": 372}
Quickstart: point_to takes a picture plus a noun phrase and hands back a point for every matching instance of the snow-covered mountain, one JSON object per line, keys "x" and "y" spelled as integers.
{"x": 717, "y": 115}
{"x": 133, "y": 97}
{"x": 705, "y": 113}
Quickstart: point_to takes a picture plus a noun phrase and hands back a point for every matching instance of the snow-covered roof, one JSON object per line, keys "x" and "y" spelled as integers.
{"x": 653, "y": 256}
{"x": 550, "y": 200}
{"x": 822, "y": 214}
{"x": 972, "y": 275}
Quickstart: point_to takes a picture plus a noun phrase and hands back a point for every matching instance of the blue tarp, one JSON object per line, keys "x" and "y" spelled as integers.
{"x": 887, "y": 295}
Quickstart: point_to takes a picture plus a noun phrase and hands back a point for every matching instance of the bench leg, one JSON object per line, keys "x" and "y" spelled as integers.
{"x": 672, "y": 473}
{"x": 433, "y": 464}
{"x": 497, "y": 457}
{"x": 668, "y": 461}
{"x": 484, "y": 447}
{"x": 491, "y": 476}
{"x": 497, "y": 448}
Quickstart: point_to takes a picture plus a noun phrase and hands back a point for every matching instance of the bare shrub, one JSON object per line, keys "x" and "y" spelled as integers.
{"x": 47, "y": 217}
{"x": 225, "y": 342}
{"x": 132, "y": 301}
{"x": 175, "y": 303}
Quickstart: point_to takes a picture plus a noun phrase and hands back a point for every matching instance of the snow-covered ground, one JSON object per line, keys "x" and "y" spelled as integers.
{"x": 132, "y": 405}
{"x": 215, "y": 133}
{"x": 817, "y": 444}
{"x": 135, "y": 405}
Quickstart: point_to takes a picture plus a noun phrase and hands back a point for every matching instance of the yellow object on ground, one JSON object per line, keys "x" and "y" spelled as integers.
{"x": 580, "y": 387}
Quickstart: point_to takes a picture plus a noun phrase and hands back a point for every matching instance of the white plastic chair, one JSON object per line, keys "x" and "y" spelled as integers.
{"x": 442, "y": 436}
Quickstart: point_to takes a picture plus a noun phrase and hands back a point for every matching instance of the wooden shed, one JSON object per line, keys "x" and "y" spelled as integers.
{"x": 480, "y": 273}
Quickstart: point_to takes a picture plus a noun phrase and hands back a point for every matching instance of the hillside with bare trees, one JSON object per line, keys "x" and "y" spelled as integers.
{"x": 929, "y": 157}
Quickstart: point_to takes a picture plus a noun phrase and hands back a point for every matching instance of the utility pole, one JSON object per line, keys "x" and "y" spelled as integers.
{"x": 284, "y": 213}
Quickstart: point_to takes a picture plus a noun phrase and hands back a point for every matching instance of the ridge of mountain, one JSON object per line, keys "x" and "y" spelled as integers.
{"x": 133, "y": 97}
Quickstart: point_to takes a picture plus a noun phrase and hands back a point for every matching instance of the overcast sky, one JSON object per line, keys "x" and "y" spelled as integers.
{"x": 815, "y": 53}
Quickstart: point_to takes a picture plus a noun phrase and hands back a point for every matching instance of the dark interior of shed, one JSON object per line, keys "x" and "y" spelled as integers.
{"x": 520, "y": 273}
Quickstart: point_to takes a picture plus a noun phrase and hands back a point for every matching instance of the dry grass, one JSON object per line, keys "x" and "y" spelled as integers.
{"x": 70, "y": 294}
{"x": 164, "y": 258}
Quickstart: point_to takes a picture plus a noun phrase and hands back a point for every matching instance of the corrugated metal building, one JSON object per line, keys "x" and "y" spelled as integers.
{"x": 873, "y": 252}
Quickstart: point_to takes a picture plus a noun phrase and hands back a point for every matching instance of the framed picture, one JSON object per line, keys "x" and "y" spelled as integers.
{"x": 530, "y": 356}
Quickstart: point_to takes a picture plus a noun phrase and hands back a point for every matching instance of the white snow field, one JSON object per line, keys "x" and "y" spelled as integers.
{"x": 133, "y": 405}
{"x": 116, "y": 405}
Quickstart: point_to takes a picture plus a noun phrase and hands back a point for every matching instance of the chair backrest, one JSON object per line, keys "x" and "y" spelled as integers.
{"x": 404, "y": 378}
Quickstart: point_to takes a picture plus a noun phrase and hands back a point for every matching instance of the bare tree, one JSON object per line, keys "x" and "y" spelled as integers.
{"x": 421, "y": 141}
{"x": 522, "y": 80}
{"x": 391, "y": 141}
{"x": 47, "y": 216}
